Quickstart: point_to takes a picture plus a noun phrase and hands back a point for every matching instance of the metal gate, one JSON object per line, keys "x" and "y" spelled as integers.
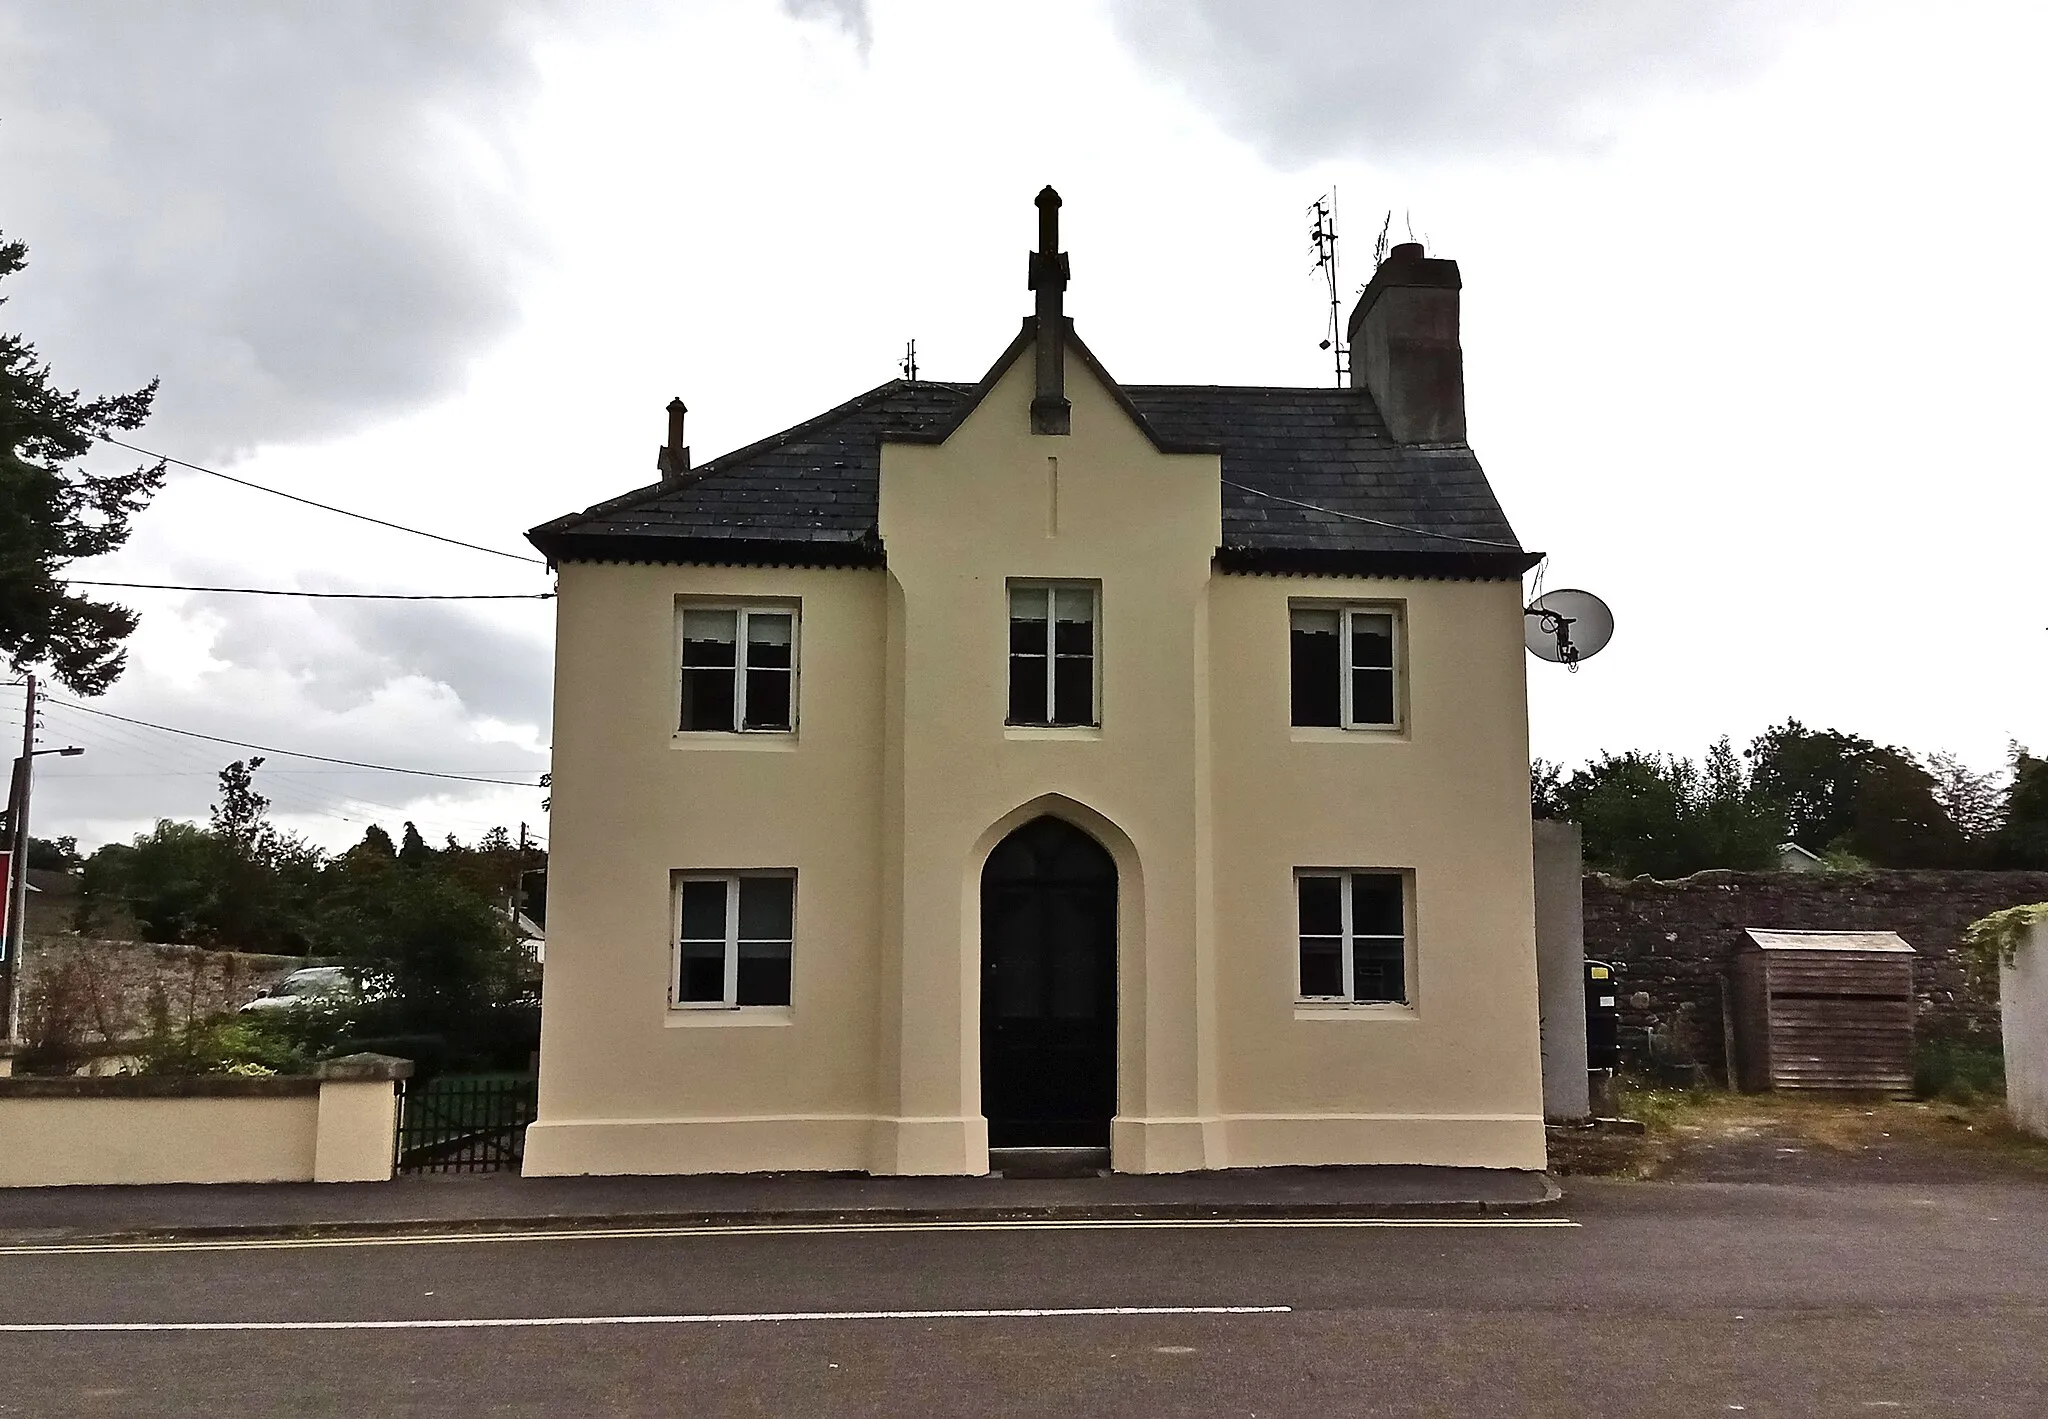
{"x": 457, "y": 1123}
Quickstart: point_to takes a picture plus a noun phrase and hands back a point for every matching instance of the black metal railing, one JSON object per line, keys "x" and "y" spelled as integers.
{"x": 456, "y": 1123}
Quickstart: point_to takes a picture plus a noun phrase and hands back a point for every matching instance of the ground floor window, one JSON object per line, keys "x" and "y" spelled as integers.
{"x": 1353, "y": 935}
{"x": 734, "y": 935}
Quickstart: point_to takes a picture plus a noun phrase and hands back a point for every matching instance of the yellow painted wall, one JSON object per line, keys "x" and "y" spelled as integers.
{"x": 47, "y": 1142}
{"x": 627, "y": 1085}
{"x": 340, "y": 1130}
{"x": 1454, "y": 1077}
{"x": 902, "y": 776}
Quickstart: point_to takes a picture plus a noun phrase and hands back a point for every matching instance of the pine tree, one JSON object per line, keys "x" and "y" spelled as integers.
{"x": 52, "y": 514}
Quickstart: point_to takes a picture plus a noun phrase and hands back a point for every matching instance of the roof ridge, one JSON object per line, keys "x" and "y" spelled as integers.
{"x": 1345, "y": 389}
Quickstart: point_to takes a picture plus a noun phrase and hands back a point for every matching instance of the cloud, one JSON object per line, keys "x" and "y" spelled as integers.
{"x": 428, "y": 687}
{"x": 849, "y": 15}
{"x": 301, "y": 216}
{"x": 345, "y": 656}
{"x": 1380, "y": 79}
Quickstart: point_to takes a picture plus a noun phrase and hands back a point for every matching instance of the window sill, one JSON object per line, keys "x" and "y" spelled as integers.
{"x": 1368, "y": 1010}
{"x": 713, "y": 1017}
{"x": 1335, "y": 734}
{"x": 1053, "y": 732}
{"x": 772, "y": 740}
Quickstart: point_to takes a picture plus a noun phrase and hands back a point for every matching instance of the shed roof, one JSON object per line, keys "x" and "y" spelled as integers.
{"x": 1828, "y": 940}
{"x": 1312, "y": 481}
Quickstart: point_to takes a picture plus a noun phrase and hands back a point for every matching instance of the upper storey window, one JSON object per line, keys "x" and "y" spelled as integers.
{"x": 1344, "y": 666}
{"x": 1052, "y": 653}
{"x": 739, "y": 668}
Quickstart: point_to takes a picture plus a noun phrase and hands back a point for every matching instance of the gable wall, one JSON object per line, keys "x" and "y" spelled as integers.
{"x": 959, "y": 521}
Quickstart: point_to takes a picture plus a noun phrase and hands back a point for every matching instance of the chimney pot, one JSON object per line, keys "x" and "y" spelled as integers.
{"x": 674, "y": 459}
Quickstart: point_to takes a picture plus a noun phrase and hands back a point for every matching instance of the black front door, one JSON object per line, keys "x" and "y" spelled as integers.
{"x": 1048, "y": 989}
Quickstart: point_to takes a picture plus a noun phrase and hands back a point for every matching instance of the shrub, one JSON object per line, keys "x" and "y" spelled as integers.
{"x": 1959, "y": 1071}
{"x": 221, "y": 1046}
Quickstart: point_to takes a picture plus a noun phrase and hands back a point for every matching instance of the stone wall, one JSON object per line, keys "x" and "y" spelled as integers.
{"x": 86, "y": 994}
{"x": 1673, "y": 943}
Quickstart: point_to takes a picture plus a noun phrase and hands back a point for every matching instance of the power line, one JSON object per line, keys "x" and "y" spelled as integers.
{"x": 325, "y": 595}
{"x": 1374, "y": 521}
{"x": 291, "y": 753}
{"x": 324, "y": 507}
{"x": 289, "y": 797}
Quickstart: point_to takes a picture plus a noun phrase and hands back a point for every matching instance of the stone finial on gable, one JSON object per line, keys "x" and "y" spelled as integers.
{"x": 1050, "y": 411}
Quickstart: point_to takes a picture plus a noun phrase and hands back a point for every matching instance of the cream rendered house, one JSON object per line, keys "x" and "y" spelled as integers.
{"x": 1050, "y": 762}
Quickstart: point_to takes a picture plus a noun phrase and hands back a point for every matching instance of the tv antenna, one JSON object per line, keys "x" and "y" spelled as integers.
{"x": 1566, "y": 627}
{"x": 1323, "y": 242}
{"x": 908, "y": 364}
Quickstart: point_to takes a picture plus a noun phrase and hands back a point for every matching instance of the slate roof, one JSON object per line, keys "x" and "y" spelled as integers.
{"x": 809, "y": 494}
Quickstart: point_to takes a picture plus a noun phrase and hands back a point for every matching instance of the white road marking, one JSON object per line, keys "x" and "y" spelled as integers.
{"x": 709, "y": 1318}
{"x": 789, "y": 1229}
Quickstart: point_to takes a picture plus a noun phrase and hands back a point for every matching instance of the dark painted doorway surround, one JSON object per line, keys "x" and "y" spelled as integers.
{"x": 1048, "y": 989}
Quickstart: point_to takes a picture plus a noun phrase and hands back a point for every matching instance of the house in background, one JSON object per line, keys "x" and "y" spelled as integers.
{"x": 1794, "y": 858}
{"x": 1050, "y": 761}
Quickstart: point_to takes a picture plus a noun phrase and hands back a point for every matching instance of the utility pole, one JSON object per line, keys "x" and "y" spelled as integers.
{"x": 519, "y": 876}
{"x": 17, "y": 881}
{"x": 15, "y": 942}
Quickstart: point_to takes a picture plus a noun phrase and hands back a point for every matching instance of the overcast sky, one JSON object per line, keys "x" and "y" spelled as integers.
{"x": 1751, "y": 302}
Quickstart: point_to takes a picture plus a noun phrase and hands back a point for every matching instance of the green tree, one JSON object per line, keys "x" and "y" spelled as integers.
{"x": 2022, "y": 839}
{"x": 376, "y": 845}
{"x": 1973, "y": 801}
{"x": 240, "y": 883}
{"x": 1898, "y": 821}
{"x": 1842, "y": 793}
{"x": 1649, "y": 815}
{"x": 437, "y": 948}
{"x": 1546, "y": 789}
{"x": 263, "y": 878}
{"x": 1735, "y": 824}
{"x": 413, "y": 850}
{"x": 165, "y": 880}
{"x": 1812, "y": 775}
{"x": 54, "y": 854}
{"x": 52, "y": 514}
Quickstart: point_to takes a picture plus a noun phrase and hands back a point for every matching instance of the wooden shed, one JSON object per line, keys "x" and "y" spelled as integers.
{"x": 1824, "y": 1010}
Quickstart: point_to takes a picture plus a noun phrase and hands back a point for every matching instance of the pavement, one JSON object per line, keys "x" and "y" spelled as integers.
{"x": 505, "y": 1201}
{"x": 1653, "y": 1299}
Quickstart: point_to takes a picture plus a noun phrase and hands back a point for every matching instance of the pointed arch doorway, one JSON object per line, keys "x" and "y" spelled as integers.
{"x": 1048, "y": 988}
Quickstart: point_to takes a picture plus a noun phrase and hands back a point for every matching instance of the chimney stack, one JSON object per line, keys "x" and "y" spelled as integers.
{"x": 674, "y": 458}
{"x": 1050, "y": 411}
{"x": 1404, "y": 346}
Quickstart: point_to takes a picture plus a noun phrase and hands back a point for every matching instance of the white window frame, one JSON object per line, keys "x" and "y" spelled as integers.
{"x": 1051, "y": 589}
{"x": 1350, "y": 938}
{"x": 742, "y": 610}
{"x": 1396, "y": 614}
{"x": 729, "y": 997}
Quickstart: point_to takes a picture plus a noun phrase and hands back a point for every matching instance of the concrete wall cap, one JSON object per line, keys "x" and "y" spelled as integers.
{"x": 157, "y": 1086}
{"x": 364, "y": 1066}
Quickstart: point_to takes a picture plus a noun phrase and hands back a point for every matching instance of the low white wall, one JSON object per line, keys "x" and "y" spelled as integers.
{"x": 1561, "y": 967}
{"x": 2023, "y": 1004}
{"x": 79, "y": 1131}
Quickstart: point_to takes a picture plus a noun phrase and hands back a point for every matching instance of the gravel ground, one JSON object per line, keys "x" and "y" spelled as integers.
{"x": 1720, "y": 1137}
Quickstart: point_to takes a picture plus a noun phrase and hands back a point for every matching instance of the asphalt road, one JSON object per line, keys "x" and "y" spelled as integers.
{"x": 1664, "y": 1300}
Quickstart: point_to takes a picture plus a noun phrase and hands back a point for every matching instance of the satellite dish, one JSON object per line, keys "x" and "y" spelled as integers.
{"x": 1566, "y": 627}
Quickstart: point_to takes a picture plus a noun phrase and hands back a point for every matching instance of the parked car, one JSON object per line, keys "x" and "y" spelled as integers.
{"x": 313, "y": 985}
